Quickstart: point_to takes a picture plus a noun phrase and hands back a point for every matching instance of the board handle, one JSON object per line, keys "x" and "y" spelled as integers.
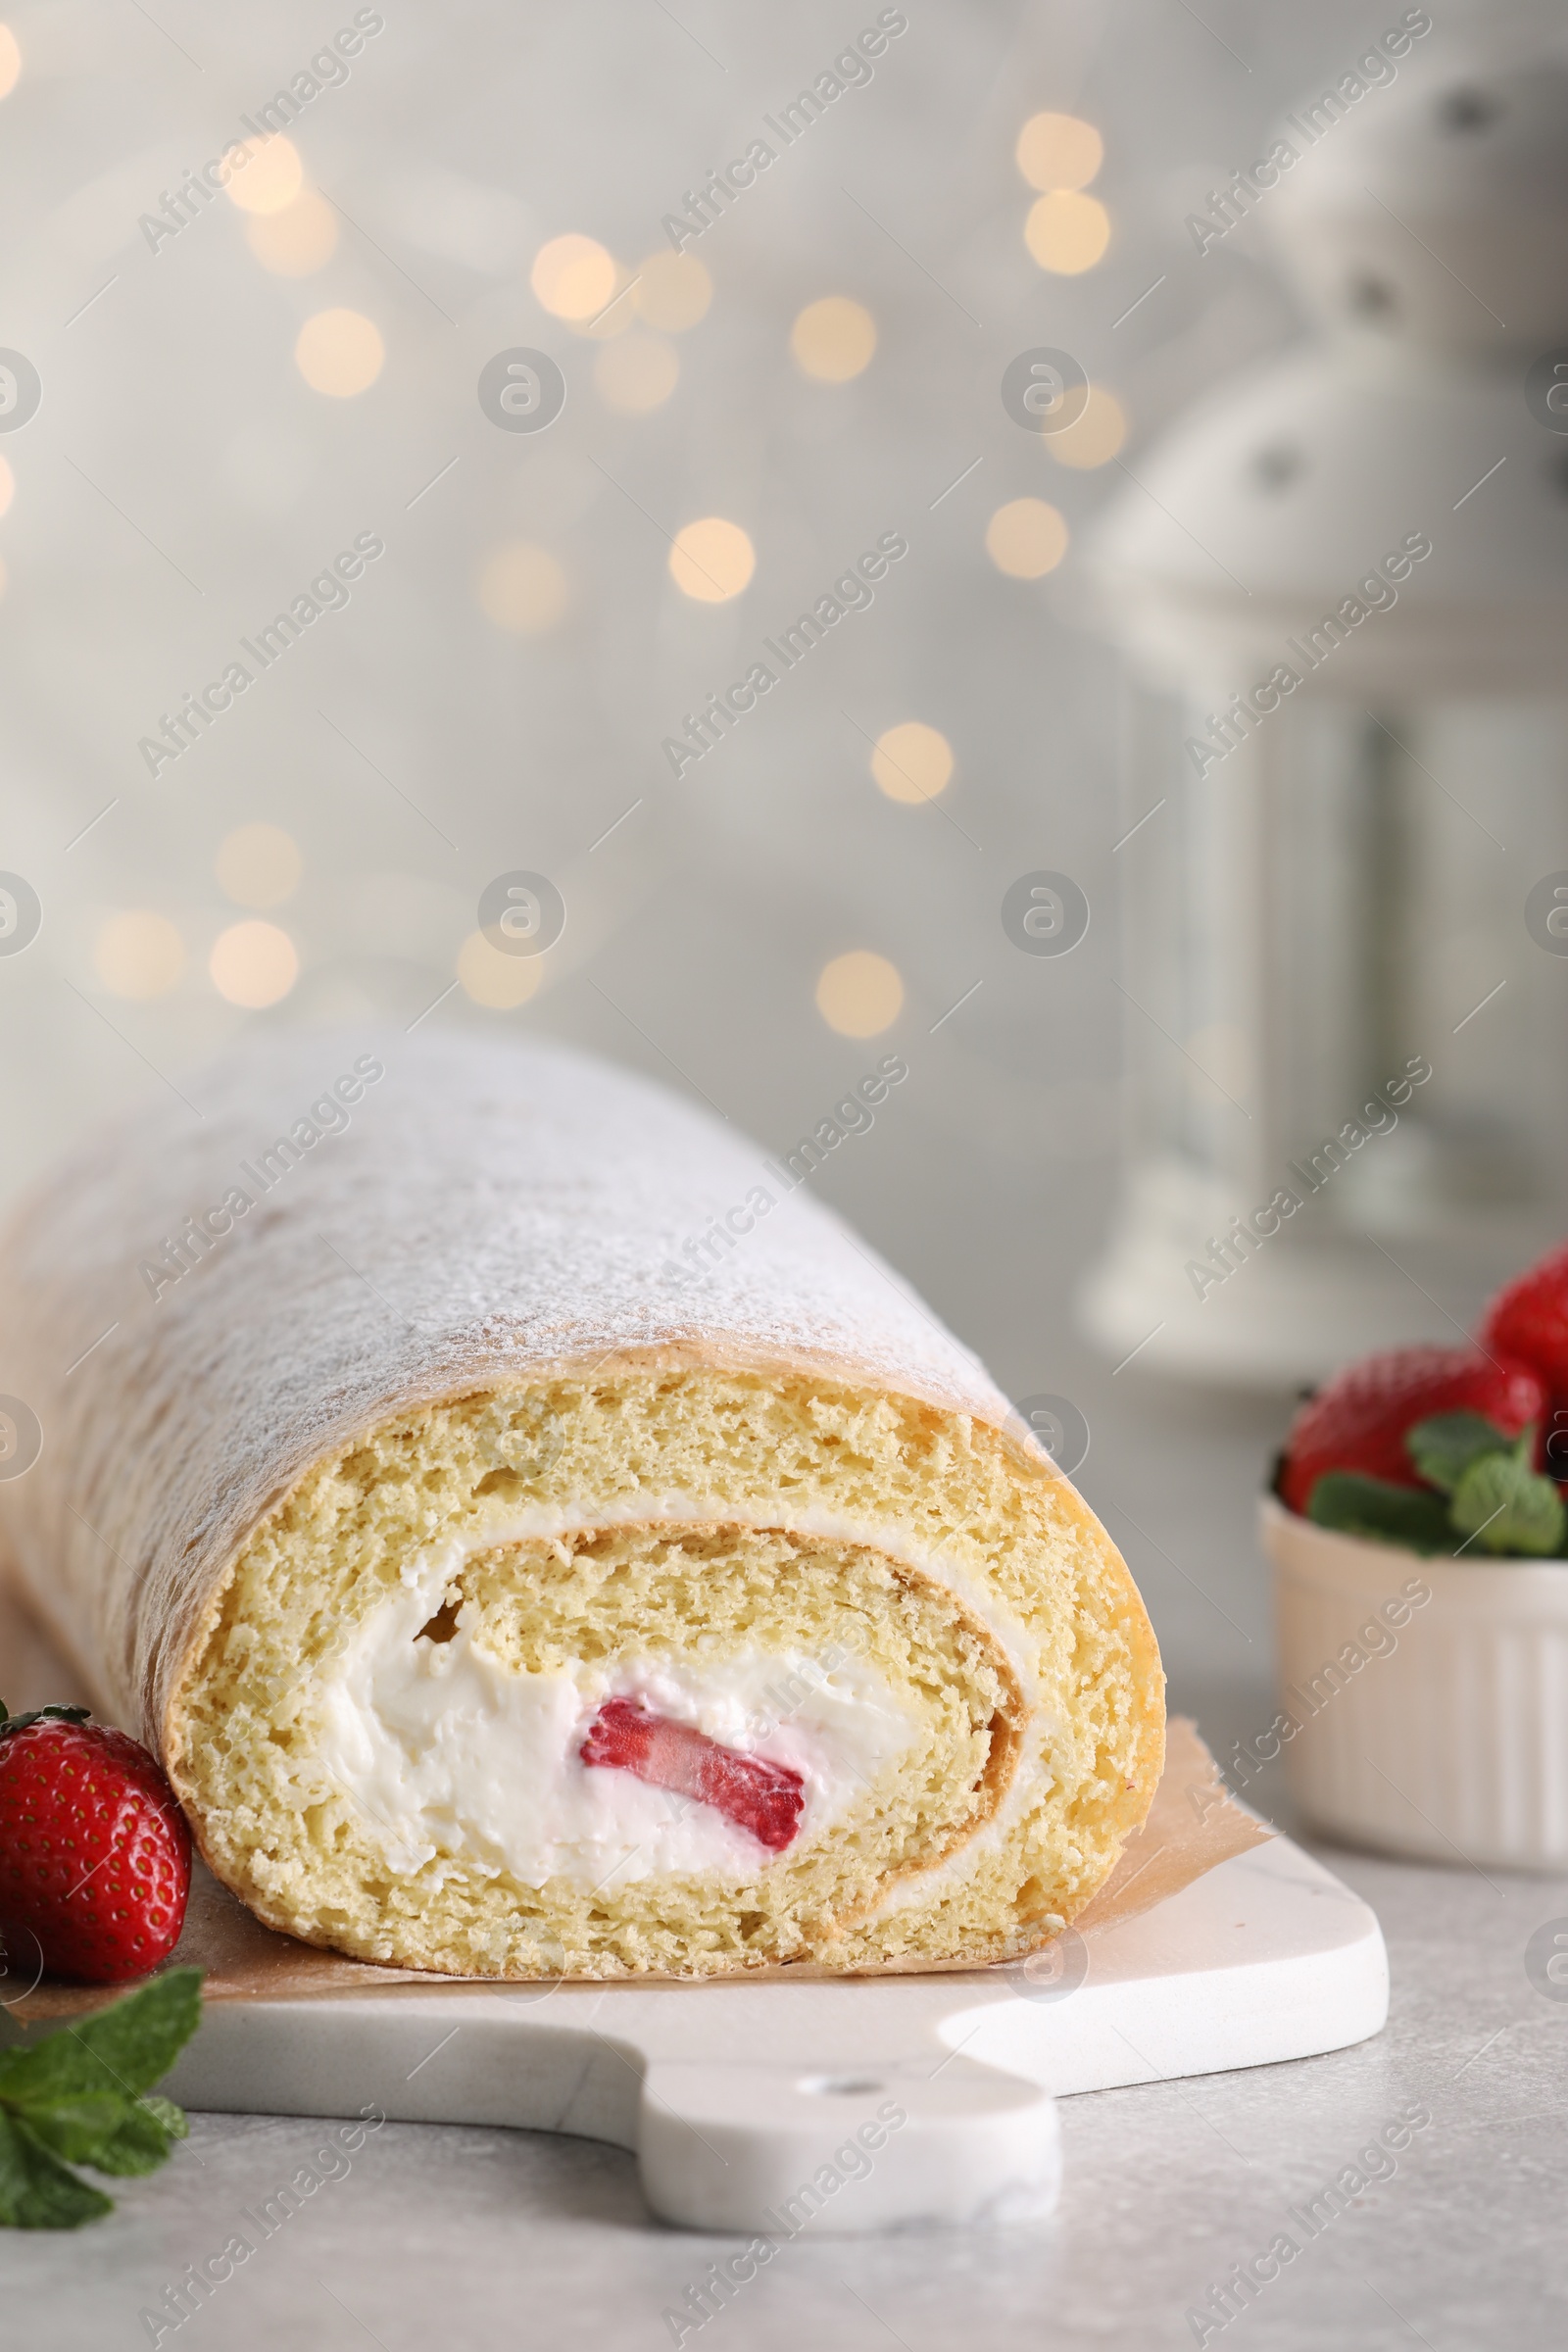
{"x": 770, "y": 2150}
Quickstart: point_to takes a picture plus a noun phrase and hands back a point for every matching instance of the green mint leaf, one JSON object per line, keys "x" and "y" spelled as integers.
{"x": 36, "y": 2190}
{"x": 77, "y": 2097}
{"x": 122, "y": 2135}
{"x": 112, "y": 2135}
{"x": 1443, "y": 1447}
{"x": 74, "y": 2129}
{"x": 172, "y": 2119}
{"x": 1504, "y": 1506}
{"x": 1372, "y": 1507}
{"x": 141, "y": 2140}
{"x": 138, "y": 2039}
{"x": 125, "y": 2048}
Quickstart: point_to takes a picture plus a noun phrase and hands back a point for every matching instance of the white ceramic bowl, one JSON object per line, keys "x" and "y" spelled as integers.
{"x": 1424, "y": 1703}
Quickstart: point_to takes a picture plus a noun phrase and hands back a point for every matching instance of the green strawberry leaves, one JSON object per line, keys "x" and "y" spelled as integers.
{"x": 1480, "y": 1494}
{"x": 10, "y": 1723}
{"x": 82, "y": 2097}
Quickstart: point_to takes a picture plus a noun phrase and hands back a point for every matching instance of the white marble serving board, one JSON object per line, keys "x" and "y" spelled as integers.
{"x": 754, "y": 2106}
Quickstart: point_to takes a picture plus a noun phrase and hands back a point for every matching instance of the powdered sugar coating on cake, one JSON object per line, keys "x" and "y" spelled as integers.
{"x": 478, "y": 1214}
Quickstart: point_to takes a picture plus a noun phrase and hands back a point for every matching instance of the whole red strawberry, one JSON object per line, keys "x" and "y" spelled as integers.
{"x": 1357, "y": 1420}
{"x": 1529, "y": 1319}
{"x": 94, "y": 1851}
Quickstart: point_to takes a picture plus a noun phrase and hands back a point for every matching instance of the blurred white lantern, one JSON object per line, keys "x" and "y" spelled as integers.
{"x": 1341, "y": 587}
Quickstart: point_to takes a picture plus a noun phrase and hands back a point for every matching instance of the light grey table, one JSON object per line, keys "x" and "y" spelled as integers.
{"x": 458, "y": 2236}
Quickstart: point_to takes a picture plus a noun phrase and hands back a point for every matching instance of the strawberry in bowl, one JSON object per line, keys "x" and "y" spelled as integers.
{"x": 1422, "y": 1697}
{"x": 1528, "y": 1321}
{"x": 1432, "y": 1448}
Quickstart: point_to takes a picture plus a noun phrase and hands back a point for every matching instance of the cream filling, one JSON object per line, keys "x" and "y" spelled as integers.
{"x": 1033, "y": 1774}
{"x": 449, "y": 1753}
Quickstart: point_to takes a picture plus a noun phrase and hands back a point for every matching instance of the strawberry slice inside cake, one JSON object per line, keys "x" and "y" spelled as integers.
{"x": 764, "y": 1798}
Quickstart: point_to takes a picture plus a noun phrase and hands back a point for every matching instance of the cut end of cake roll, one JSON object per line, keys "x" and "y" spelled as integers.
{"x": 671, "y": 1665}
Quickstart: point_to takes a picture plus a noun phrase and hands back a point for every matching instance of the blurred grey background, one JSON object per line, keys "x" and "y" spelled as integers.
{"x": 228, "y": 404}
